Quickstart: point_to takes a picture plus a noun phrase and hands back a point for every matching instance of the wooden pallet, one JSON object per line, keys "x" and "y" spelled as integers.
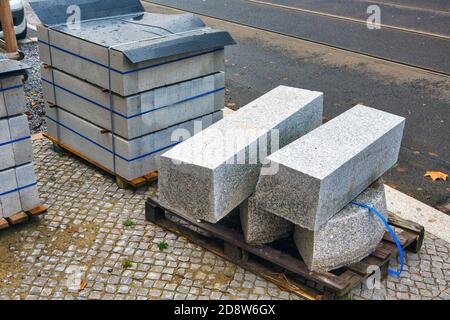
{"x": 121, "y": 182}
{"x": 21, "y": 217}
{"x": 280, "y": 262}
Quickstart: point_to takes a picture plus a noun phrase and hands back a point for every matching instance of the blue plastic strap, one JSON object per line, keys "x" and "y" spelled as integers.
{"x": 11, "y": 88}
{"x": 14, "y": 141}
{"x": 18, "y": 189}
{"x": 108, "y": 150}
{"x": 388, "y": 227}
{"x": 138, "y": 114}
{"x": 130, "y": 71}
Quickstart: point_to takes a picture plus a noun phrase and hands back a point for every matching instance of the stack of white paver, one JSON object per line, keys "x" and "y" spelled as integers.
{"x": 304, "y": 188}
{"x": 320, "y": 174}
{"x": 18, "y": 189}
{"x": 124, "y": 85}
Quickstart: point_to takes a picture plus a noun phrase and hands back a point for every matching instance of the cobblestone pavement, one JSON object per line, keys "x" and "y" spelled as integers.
{"x": 84, "y": 235}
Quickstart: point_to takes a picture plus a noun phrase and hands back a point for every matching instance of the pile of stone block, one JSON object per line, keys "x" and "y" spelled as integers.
{"x": 18, "y": 188}
{"x": 318, "y": 177}
{"x": 210, "y": 174}
{"x": 121, "y": 83}
{"x": 301, "y": 187}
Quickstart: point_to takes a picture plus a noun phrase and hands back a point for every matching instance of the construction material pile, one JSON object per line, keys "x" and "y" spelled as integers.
{"x": 300, "y": 186}
{"x": 120, "y": 82}
{"x": 18, "y": 187}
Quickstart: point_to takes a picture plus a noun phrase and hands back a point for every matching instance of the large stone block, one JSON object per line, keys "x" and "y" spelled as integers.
{"x": 20, "y": 133}
{"x": 28, "y": 194}
{"x": 211, "y": 173}
{"x": 139, "y": 114}
{"x": 260, "y": 226}
{"x": 324, "y": 170}
{"x": 12, "y": 98}
{"x": 349, "y": 236}
{"x": 9, "y": 195}
{"x": 133, "y": 158}
{"x": 6, "y": 148}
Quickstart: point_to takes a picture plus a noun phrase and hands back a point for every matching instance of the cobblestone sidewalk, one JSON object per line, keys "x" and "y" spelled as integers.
{"x": 95, "y": 232}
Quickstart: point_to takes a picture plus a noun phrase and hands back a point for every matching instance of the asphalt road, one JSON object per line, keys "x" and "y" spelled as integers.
{"x": 263, "y": 60}
{"x": 392, "y": 44}
{"x": 431, "y": 21}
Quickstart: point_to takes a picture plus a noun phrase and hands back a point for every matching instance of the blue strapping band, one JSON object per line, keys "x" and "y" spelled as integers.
{"x": 130, "y": 71}
{"x": 388, "y": 227}
{"x": 138, "y": 114}
{"x": 14, "y": 141}
{"x": 18, "y": 189}
{"x": 11, "y": 88}
{"x": 106, "y": 149}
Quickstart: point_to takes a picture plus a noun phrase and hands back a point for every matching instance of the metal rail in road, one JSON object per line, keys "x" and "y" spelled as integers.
{"x": 435, "y": 71}
{"x": 349, "y": 19}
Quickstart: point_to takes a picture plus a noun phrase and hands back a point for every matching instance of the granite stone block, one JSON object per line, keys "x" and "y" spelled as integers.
{"x": 349, "y": 236}
{"x": 324, "y": 170}
{"x": 211, "y": 173}
{"x": 260, "y": 226}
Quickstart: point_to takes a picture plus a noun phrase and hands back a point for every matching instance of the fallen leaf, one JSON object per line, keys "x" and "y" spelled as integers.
{"x": 436, "y": 175}
{"x": 400, "y": 169}
{"x": 83, "y": 284}
{"x": 433, "y": 154}
{"x": 416, "y": 152}
{"x": 448, "y": 189}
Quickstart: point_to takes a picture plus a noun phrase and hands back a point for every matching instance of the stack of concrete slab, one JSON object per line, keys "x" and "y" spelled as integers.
{"x": 122, "y": 81}
{"x": 18, "y": 191}
{"x": 210, "y": 174}
{"x": 320, "y": 174}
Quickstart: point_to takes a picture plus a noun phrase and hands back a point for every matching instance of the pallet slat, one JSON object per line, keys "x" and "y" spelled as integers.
{"x": 279, "y": 258}
{"x": 17, "y": 218}
{"x": 121, "y": 182}
{"x": 237, "y": 250}
{"x": 3, "y": 223}
{"x": 22, "y": 216}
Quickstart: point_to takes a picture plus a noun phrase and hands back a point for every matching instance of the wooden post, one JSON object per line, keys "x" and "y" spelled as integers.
{"x": 8, "y": 26}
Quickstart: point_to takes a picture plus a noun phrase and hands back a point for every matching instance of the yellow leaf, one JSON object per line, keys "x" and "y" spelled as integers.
{"x": 83, "y": 284}
{"x": 436, "y": 175}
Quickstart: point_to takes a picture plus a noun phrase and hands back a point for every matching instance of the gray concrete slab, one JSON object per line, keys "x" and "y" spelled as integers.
{"x": 324, "y": 170}
{"x": 349, "y": 236}
{"x": 139, "y": 114}
{"x": 6, "y": 148}
{"x": 9, "y": 196}
{"x": 134, "y": 158}
{"x": 210, "y": 174}
{"x": 26, "y": 179}
{"x": 20, "y": 133}
{"x": 12, "y": 99}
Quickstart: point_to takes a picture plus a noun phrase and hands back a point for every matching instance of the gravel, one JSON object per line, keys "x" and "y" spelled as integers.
{"x": 33, "y": 89}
